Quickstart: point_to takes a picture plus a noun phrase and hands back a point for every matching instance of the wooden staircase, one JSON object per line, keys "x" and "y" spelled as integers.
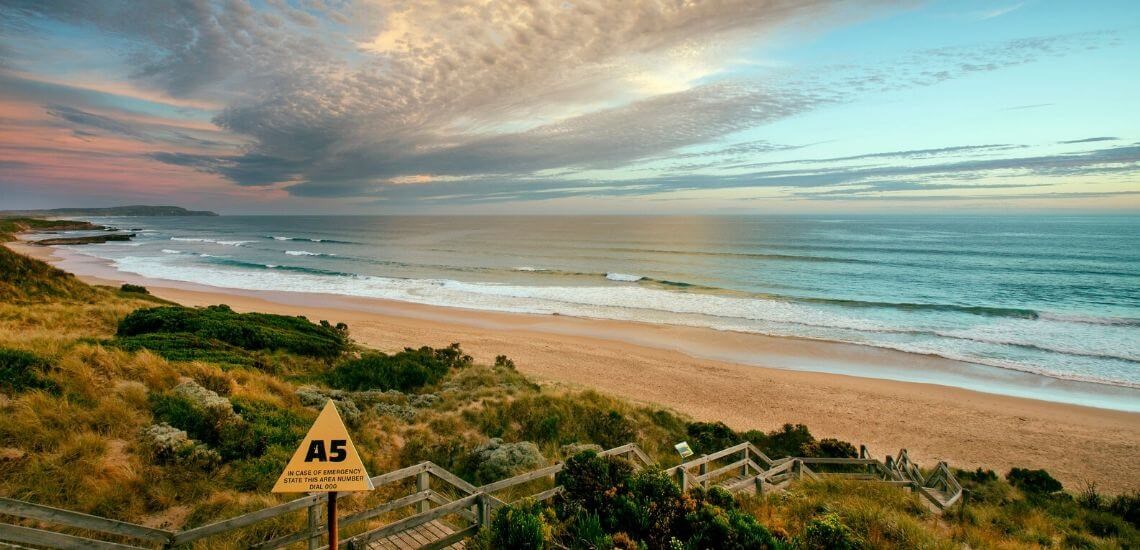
{"x": 441, "y": 510}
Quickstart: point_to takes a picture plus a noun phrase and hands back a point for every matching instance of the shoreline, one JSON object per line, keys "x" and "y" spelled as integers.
{"x": 745, "y": 380}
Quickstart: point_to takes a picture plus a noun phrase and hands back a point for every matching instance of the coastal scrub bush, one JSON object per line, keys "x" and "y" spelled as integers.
{"x": 1033, "y": 481}
{"x": 1127, "y": 506}
{"x": 406, "y": 371}
{"x": 717, "y": 522}
{"x": 22, "y": 371}
{"x": 137, "y": 289}
{"x": 169, "y": 445}
{"x": 496, "y": 460}
{"x": 584, "y": 531}
{"x": 185, "y": 347}
{"x": 828, "y": 532}
{"x": 710, "y": 437}
{"x": 519, "y": 526}
{"x": 590, "y": 480}
{"x": 249, "y": 331}
{"x": 651, "y": 508}
{"x": 604, "y": 498}
{"x": 789, "y": 440}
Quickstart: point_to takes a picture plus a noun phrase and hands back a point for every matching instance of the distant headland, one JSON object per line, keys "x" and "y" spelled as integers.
{"x": 133, "y": 210}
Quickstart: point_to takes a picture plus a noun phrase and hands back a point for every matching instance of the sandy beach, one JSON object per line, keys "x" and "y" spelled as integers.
{"x": 712, "y": 375}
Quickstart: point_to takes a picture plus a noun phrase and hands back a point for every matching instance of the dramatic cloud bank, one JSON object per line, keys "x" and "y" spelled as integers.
{"x": 465, "y": 101}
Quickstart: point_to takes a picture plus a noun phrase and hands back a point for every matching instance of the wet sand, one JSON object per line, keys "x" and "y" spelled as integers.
{"x": 712, "y": 375}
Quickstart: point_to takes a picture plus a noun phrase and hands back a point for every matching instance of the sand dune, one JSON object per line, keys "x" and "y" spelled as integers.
{"x": 670, "y": 367}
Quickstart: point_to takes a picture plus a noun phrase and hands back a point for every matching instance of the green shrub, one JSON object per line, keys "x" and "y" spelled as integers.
{"x": 710, "y": 437}
{"x": 1104, "y": 524}
{"x": 249, "y": 331}
{"x": 260, "y": 473}
{"x": 185, "y": 347}
{"x": 22, "y": 371}
{"x": 127, "y": 287}
{"x": 977, "y": 476}
{"x": 828, "y": 532}
{"x": 1127, "y": 506}
{"x": 650, "y": 508}
{"x": 271, "y": 425}
{"x": 712, "y": 526}
{"x": 589, "y": 481}
{"x": 789, "y": 440}
{"x": 406, "y": 371}
{"x": 504, "y": 362}
{"x": 247, "y": 428}
{"x": 180, "y": 412}
{"x": 496, "y": 460}
{"x": 831, "y": 448}
{"x": 1033, "y": 481}
{"x": 519, "y": 526}
{"x": 584, "y": 531}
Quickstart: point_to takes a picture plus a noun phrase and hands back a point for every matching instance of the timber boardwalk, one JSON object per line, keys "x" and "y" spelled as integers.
{"x": 443, "y": 510}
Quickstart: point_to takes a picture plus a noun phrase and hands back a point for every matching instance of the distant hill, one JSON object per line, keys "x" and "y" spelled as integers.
{"x": 134, "y": 210}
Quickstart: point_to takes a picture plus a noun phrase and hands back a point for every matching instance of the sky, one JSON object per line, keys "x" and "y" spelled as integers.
{"x": 591, "y": 106}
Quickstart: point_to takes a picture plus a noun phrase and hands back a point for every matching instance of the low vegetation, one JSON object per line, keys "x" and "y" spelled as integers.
{"x": 116, "y": 404}
{"x": 9, "y": 226}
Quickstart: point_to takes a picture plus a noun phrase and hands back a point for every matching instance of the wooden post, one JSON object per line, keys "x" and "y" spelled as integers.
{"x": 423, "y": 483}
{"x": 483, "y": 517}
{"x": 314, "y": 522}
{"x": 682, "y": 479}
{"x": 704, "y": 469}
{"x": 744, "y": 457}
{"x": 334, "y": 534}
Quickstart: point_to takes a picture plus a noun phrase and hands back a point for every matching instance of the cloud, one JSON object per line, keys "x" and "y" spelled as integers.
{"x": 960, "y": 175}
{"x": 996, "y": 12}
{"x": 487, "y": 101}
{"x": 1024, "y": 107}
{"x": 1090, "y": 140}
{"x": 327, "y": 132}
{"x": 91, "y": 120}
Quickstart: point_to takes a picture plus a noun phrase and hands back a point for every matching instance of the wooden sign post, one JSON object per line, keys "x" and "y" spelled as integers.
{"x": 327, "y": 462}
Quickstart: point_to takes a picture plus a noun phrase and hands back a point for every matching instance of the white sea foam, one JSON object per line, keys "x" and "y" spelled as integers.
{"x": 623, "y": 277}
{"x": 637, "y": 303}
{"x": 169, "y": 251}
{"x": 528, "y": 268}
{"x": 306, "y": 253}
{"x": 211, "y": 241}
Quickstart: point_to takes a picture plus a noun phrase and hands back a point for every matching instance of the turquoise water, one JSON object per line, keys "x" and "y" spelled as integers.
{"x": 1057, "y": 296}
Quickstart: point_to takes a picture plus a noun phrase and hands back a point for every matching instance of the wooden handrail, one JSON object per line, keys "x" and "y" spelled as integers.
{"x": 245, "y": 520}
{"x": 28, "y": 510}
{"x": 779, "y": 473}
{"x": 29, "y": 535}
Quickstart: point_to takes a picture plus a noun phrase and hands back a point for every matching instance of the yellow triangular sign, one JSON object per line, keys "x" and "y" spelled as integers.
{"x": 326, "y": 460}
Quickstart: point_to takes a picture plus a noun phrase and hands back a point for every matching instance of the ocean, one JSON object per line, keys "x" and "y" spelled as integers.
{"x": 1057, "y": 296}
